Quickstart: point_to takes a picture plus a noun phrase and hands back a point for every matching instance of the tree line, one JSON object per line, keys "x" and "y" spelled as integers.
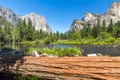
{"x": 98, "y": 30}
{"x": 24, "y": 31}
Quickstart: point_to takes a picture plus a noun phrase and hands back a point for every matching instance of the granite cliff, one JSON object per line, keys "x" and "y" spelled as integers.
{"x": 113, "y": 13}
{"x": 8, "y": 15}
{"x": 38, "y": 21}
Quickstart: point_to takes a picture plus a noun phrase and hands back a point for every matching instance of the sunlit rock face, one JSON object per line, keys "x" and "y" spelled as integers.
{"x": 38, "y": 21}
{"x": 8, "y": 15}
{"x": 89, "y": 17}
{"x": 77, "y": 25}
{"x": 114, "y": 9}
{"x": 113, "y": 13}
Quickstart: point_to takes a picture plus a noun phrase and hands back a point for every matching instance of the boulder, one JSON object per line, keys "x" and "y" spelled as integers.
{"x": 35, "y": 54}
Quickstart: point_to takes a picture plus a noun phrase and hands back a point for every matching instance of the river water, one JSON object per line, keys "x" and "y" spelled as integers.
{"x": 110, "y": 50}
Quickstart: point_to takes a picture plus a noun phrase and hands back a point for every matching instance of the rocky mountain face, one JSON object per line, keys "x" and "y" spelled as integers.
{"x": 77, "y": 25}
{"x": 8, "y": 15}
{"x": 38, "y": 21}
{"x": 113, "y": 13}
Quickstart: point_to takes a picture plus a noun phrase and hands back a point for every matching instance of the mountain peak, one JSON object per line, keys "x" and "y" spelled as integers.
{"x": 114, "y": 9}
{"x": 89, "y": 16}
{"x": 8, "y": 15}
{"x": 113, "y": 13}
{"x": 115, "y": 5}
{"x": 33, "y": 13}
{"x": 38, "y": 21}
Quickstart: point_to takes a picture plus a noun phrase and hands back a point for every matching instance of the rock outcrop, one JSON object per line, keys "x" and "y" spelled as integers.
{"x": 90, "y": 17}
{"x": 39, "y": 22}
{"x": 68, "y": 68}
{"x": 114, "y": 9}
{"x": 8, "y": 15}
{"x": 113, "y": 13}
{"x": 77, "y": 25}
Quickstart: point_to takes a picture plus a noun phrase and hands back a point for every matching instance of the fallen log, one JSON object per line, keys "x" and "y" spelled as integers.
{"x": 69, "y": 68}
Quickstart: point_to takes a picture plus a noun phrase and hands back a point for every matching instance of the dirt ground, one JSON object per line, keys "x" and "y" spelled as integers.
{"x": 73, "y": 68}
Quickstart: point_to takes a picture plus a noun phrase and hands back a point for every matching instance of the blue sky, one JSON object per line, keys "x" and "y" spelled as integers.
{"x": 58, "y": 13}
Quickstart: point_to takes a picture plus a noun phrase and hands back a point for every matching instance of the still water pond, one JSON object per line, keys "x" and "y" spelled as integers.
{"x": 90, "y": 49}
{"x": 86, "y": 49}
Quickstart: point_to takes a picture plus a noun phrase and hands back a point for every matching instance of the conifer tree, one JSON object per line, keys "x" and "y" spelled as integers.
{"x": 30, "y": 31}
{"x": 110, "y": 27}
{"x": 103, "y": 26}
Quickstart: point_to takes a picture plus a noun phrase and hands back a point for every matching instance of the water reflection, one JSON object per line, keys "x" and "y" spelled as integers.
{"x": 105, "y": 50}
{"x": 86, "y": 49}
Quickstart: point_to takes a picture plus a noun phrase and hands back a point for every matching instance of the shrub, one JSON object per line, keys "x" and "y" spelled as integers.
{"x": 29, "y": 50}
{"x": 48, "y": 51}
{"x": 37, "y": 41}
{"x": 103, "y": 36}
{"x": 61, "y": 52}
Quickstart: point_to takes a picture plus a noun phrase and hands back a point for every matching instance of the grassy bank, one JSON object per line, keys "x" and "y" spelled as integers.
{"x": 89, "y": 42}
{"x": 33, "y": 42}
{"x": 60, "y": 52}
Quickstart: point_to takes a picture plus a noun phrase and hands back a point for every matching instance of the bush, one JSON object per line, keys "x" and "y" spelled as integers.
{"x": 117, "y": 41}
{"x": 48, "y": 51}
{"x": 103, "y": 36}
{"x": 110, "y": 40}
{"x": 37, "y": 42}
{"x": 61, "y": 52}
{"x": 30, "y": 50}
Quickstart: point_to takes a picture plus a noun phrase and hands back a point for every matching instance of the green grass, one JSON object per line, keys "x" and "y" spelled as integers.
{"x": 78, "y": 42}
{"x": 32, "y": 42}
{"x": 67, "y": 42}
{"x": 31, "y": 49}
{"x": 61, "y": 52}
{"x": 89, "y": 42}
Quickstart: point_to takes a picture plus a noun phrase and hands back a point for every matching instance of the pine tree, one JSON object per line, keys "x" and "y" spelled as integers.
{"x": 117, "y": 30}
{"x": 18, "y": 27}
{"x": 110, "y": 27}
{"x": 22, "y": 28}
{"x": 14, "y": 36}
{"x": 7, "y": 36}
{"x": 30, "y": 31}
{"x": 98, "y": 28}
{"x": 103, "y": 26}
{"x": 84, "y": 32}
{"x": 94, "y": 32}
{"x": 1, "y": 34}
